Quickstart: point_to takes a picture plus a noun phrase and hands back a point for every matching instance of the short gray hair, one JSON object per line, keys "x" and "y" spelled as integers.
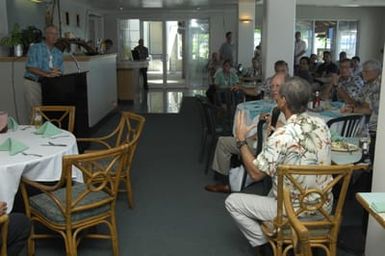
{"x": 297, "y": 93}
{"x": 372, "y": 65}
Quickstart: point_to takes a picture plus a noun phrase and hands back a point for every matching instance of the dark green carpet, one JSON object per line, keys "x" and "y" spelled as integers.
{"x": 173, "y": 214}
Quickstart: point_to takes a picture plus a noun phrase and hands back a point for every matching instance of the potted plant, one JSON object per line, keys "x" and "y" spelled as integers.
{"x": 14, "y": 41}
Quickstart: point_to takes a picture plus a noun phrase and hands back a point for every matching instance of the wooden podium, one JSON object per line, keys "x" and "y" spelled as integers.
{"x": 69, "y": 89}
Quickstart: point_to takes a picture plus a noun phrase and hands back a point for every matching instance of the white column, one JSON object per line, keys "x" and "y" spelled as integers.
{"x": 246, "y": 23}
{"x": 375, "y": 236}
{"x": 278, "y": 34}
{"x": 3, "y": 25}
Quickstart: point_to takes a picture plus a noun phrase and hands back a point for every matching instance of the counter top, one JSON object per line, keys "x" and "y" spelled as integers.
{"x": 66, "y": 58}
{"x": 132, "y": 64}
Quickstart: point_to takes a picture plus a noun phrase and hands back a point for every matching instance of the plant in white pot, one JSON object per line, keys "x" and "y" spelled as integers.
{"x": 14, "y": 41}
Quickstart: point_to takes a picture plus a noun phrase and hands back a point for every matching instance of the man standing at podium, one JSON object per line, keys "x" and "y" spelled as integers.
{"x": 44, "y": 60}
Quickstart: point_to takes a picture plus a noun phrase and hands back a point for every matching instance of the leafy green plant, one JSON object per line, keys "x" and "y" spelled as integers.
{"x": 14, "y": 38}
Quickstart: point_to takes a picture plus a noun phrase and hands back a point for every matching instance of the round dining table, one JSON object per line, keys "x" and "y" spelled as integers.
{"x": 41, "y": 161}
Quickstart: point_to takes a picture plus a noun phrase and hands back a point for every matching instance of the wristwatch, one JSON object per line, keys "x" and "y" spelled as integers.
{"x": 241, "y": 143}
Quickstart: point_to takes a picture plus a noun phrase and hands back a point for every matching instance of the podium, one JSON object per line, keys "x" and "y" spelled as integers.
{"x": 69, "y": 89}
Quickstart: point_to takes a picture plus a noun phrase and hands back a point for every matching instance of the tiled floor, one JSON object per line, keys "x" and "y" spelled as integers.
{"x": 160, "y": 100}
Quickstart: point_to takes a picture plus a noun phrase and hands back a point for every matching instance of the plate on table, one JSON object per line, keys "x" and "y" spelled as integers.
{"x": 343, "y": 146}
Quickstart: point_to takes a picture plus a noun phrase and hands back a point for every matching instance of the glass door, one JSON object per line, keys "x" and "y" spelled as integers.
{"x": 165, "y": 42}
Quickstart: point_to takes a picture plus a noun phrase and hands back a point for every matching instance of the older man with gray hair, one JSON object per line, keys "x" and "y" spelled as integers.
{"x": 369, "y": 99}
{"x": 304, "y": 140}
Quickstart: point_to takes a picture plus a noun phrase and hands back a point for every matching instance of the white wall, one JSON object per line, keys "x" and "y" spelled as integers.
{"x": 25, "y": 13}
{"x": 371, "y": 25}
{"x": 375, "y": 237}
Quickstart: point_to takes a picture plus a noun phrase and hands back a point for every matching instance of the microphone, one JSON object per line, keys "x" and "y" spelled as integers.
{"x": 76, "y": 62}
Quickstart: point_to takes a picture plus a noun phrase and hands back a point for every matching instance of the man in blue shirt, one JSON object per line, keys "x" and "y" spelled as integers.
{"x": 44, "y": 60}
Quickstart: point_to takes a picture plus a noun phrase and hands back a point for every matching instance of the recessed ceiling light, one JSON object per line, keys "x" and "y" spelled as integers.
{"x": 121, "y": 8}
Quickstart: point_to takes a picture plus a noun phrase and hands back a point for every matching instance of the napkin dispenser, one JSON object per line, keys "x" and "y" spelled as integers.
{"x": 3, "y": 122}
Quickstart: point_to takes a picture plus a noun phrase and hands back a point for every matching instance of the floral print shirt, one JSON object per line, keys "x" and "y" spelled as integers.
{"x": 353, "y": 86}
{"x": 304, "y": 140}
{"x": 371, "y": 95}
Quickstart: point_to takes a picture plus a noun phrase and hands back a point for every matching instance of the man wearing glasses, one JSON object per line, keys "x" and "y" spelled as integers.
{"x": 44, "y": 60}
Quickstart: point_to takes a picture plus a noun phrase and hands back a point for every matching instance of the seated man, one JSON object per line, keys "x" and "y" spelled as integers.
{"x": 279, "y": 66}
{"x": 227, "y": 146}
{"x": 368, "y": 101}
{"x": 302, "y": 140}
{"x": 18, "y": 231}
{"x": 345, "y": 87}
{"x": 326, "y": 69}
{"x": 303, "y": 70}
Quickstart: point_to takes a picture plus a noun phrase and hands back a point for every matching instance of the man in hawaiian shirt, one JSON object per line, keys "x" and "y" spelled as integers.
{"x": 302, "y": 140}
{"x": 44, "y": 60}
{"x": 346, "y": 86}
{"x": 368, "y": 101}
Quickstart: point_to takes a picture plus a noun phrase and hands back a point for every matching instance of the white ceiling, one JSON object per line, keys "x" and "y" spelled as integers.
{"x": 111, "y": 5}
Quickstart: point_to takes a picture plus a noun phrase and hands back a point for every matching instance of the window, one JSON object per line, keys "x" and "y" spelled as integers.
{"x": 129, "y": 35}
{"x": 257, "y": 37}
{"x": 331, "y": 35}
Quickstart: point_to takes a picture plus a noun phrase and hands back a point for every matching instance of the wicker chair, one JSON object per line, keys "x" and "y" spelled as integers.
{"x": 4, "y": 234}
{"x": 61, "y": 116}
{"x": 300, "y": 237}
{"x": 130, "y": 128}
{"x": 69, "y": 208}
{"x": 322, "y": 230}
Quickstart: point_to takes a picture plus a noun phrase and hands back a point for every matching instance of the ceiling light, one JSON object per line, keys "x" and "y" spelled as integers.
{"x": 246, "y": 20}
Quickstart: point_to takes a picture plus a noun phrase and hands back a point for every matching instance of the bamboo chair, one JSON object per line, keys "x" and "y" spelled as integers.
{"x": 61, "y": 116}
{"x": 4, "y": 219}
{"x": 300, "y": 237}
{"x": 323, "y": 230}
{"x": 130, "y": 128}
{"x": 69, "y": 208}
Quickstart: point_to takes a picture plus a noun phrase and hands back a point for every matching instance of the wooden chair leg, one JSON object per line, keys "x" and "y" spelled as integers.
{"x": 130, "y": 197}
{"x": 114, "y": 236}
{"x": 31, "y": 243}
{"x": 70, "y": 243}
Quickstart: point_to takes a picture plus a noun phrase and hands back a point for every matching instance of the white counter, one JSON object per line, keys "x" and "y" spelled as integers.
{"x": 101, "y": 85}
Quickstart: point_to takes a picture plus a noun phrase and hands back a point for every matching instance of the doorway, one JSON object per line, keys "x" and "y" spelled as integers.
{"x": 165, "y": 42}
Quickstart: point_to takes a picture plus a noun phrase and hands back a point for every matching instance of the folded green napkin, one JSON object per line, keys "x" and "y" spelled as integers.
{"x": 378, "y": 206}
{"x": 48, "y": 130}
{"x": 12, "y": 123}
{"x": 13, "y": 146}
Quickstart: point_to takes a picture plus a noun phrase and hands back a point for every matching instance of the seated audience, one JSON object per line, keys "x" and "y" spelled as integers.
{"x": 303, "y": 70}
{"x": 345, "y": 87}
{"x": 341, "y": 57}
{"x": 212, "y": 67}
{"x": 227, "y": 146}
{"x": 369, "y": 99}
{"x": 313, "y": 63}
{"x": 265, "y": 89}
{"x": 357, "y": 69}
{"x": 327, "y": 68}
{"x": 287, "y": 145}
{"x": 224, "y": 79}
{"x": 18, "y": 231}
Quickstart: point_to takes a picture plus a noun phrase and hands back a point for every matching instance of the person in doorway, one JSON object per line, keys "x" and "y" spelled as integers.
{"x": 43, "y": 60}
{"x": 143, "y": 55}
{"x": 299, "y": 49}
{"x": 226, "y": 52}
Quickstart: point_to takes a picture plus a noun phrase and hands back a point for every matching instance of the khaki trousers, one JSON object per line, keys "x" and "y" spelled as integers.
{"x": 226, "y": 147}
{"x": 32, "y": 95}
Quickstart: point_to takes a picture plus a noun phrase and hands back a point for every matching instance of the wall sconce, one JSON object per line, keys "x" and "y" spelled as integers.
{"x": 246, "y": 20}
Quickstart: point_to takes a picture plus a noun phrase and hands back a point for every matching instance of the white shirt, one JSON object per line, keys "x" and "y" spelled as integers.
{"x": 299, "y": 47}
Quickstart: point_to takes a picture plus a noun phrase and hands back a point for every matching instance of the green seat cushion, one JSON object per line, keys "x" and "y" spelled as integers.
{"x": 43, "y": 204}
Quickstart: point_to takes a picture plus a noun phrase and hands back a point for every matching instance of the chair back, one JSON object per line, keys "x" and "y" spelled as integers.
{"x": 4, "y": 220}
{"x": 260, "y": 135}
{"x": 61, "y": 116}
{"x": 101, "y": 171}
{"x": 310, "y": 202}
{"x": 350, "y": 124}
{"x": 301, "y": 235}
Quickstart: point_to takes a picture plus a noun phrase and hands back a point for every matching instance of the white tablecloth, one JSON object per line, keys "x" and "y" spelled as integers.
{"x": 45, "y": 168}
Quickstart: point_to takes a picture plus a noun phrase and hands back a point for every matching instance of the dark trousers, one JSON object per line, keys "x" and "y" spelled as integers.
{"x": 18, "y": 232}
{"x": 143, "y": 71}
